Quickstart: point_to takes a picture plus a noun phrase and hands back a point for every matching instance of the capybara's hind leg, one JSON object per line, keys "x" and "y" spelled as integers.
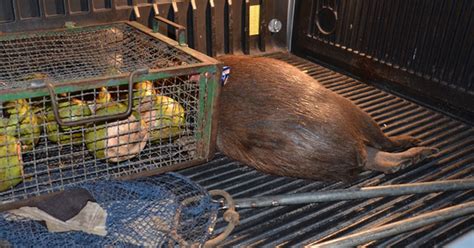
{"x": 403, "y": 141}
{"x": 390, "y": 162}
{"x": 377, "y": 139}
{"x": 383, "y": 142}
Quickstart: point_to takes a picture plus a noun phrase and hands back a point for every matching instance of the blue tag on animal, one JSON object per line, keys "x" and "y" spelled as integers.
{"x": 225, "y": 74}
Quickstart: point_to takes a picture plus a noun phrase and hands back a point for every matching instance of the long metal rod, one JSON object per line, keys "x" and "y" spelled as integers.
{"x": 401, "y": 226}
{"x": 351, "y": 194}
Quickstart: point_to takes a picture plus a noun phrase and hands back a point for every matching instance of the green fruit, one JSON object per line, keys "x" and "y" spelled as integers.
{"x": 68, "y": 111}
{"x": 119, "y": 140}
{"x": 165, "y": 120}
{"x": 40, "y": 114}
{"x": 29, "y": 129}
{"x": 29, "y": 132}
{"x": 8, "y": 127}
{"x": 18, "y": 107}
{"x": 143, "y": 96}
{"x": 163, "y": 115}
{"x": 11, "y": 164}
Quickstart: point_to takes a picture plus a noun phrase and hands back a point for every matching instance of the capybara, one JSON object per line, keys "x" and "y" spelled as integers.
{"x": 281, "y": 121}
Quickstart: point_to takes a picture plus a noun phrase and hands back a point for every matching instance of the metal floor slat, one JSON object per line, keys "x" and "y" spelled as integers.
{"x": 307, "y": 224}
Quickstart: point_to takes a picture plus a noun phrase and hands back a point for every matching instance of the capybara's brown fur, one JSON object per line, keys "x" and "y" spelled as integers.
{"x": 281, "y": 121}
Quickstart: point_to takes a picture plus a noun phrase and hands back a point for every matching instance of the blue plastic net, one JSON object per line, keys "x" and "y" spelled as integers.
{"x": 166, "y": 210}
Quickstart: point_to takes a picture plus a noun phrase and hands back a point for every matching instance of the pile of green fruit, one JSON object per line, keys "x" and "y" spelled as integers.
{"x": 153, "y": 118}
{"x": 68, "y": 111}
{"x": 163, "y": 115}
{"x": 11, "y": 164}
{"x": 22, "y": 123}
{"x": 118, "y": 140}
{"x": 19, "y": 131}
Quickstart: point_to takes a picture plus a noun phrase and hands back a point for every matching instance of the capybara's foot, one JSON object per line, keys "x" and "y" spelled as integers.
{"x": 404, "y": 141}
{"x": 387, "y": 162}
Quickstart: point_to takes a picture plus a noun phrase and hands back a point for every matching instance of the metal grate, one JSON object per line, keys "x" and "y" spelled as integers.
{"x": 82, "y": 53}
{"x": 423, "y": 47}
{"x": 307, "y": 224}
{"x": 162, "y": 131}
{"x": 411, "y": 44}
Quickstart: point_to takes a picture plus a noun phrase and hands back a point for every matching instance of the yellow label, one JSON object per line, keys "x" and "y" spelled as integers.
{"x": 254, "y": 20}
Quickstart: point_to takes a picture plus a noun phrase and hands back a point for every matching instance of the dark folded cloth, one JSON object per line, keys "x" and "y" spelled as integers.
{"x": 66, "y": 204}
{"x": 69, "y": 210}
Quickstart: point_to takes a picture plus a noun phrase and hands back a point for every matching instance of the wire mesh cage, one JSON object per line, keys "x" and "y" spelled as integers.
{"x": 83, "y": 53}
{"x": 75, "y": 108}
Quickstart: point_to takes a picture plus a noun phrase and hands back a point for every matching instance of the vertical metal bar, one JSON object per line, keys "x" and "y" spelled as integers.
{"x": 289, "y": 24}
{"x": 245, "y": 28}
{"x": 213, "y": 92}
{"x": 397, "y": 33}
{"x": 213, "y": 28}
{"x": 174, "y": 6}
{"x": 16, "y": 11}
{"x": 181, "y": 15}
{"x": 155, "y": 8}
{"x": 453, "y": 44}
{"x": 209, "y": 89}
{"x": 43, "y": 9}
{"x": 136, "y": 10}
{"x": 220, "y": 22}
{"x": 263, "y": 26}
{"x": 356, "y": 21}
{"x": 407, "y": 33}
{"x": 199, "y": 14}
{"x": 229, "y": 29}
{"x": 430, "y": 23}
{"x": 440, "y": 28}
{"x": 187, "y": 12}
{"x": 199, "y": 134}
{"x": 340, "y": 23}
{"x": 461, "y": 56}
{"x": 385, "y": 48}
{"x": 375, "y": 32}
{"x": 361, "y": 31}
{"x": 67, "y": 7}
{"x": 195, "y": 22}
{"x": 312, "y": 17}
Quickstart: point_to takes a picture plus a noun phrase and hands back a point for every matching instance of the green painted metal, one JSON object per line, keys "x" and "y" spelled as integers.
{"x": 208, "y": 87}
{"x": 180, "y": 30}
{"x": 202, "y": 107}
{"x": 182, "y": 39}
{"x": 211, "y": 95}
{"x": 155, "y": 26}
